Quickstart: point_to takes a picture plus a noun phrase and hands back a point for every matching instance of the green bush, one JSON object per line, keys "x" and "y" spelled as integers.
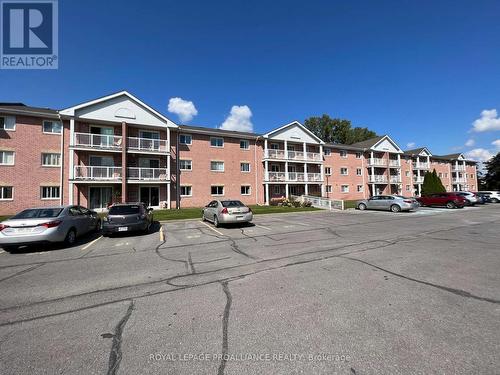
{"x": 432, "y": 184}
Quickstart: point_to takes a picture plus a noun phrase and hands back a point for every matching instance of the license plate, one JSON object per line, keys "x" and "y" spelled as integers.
{"x": 239, "y": 217}
{"x": 122, "y": 229}
{"x": 23, "y": 230}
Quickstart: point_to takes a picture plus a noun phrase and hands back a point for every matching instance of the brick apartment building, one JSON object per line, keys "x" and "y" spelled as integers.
{"x": 117, "y": 148}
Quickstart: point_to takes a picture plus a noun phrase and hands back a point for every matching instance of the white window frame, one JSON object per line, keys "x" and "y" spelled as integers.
{"x": 327, "y": 151}
{"x": 186, "y": 135}
{"x": 342, "y": 189}
{"x": 360, "y": 188}
{"x": 249, "y": 167}
{"x": 328, "y": 188}
{"x": 407, "y": 173}
{"x": 274, "y": 146}
{"x": 217, "y": 186}
{"x": 360, "y": 172}
{"x": 51, "y": 132}
{"x": 276, "y": 189}
{"x": 51, "y": 190}
{"x": 215, "y": 139}
{"x": 7, "y": 121}
{"x": 13, "y": 158}
{"x": 328, "y": 171}
{"x": 358, "y": 155}
{"x": 2, "y": 193}
{"x": 190, "y": 191}
{"x": 249, "y": 189}
{"x": 346, "y": 171}
{"x": 52, "y": 154}
{"x": 185, "y": 160}
{"x": 343, "y": 154}
{"x": 408, "y": 188}
{"x": 217, "y": 170}
{"x": 247, "y": 142}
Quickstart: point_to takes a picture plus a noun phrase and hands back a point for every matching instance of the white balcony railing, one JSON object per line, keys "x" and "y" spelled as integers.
{"x": 420, "y": 165}
{"x": 150, "y": 174}
{"x": 314, "y": 156}
{"x": 84, "y": 172}
{"x": 395, "y": 179}
{"x": 377, "y": 162}
{"x": 377, "y": 178}
{"x": 277, "y": 176}
{"x": 394, "y": 163}
{"x": 296, "y": 155}
{"x": 314, "y": 177}
{"x": 147, "y": 144}
{"x": 458, "y": 180}
{"x": 274, "y": 154}
{"x": 418, "y": 179}
{"x": 292, "y": 155}
{"x": 295, "y": 176}
{"x": 97, "y": 141}
{"x": 459, "y": 168}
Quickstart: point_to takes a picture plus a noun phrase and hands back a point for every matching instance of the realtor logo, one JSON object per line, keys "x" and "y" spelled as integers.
{"x": 29, "y": 34}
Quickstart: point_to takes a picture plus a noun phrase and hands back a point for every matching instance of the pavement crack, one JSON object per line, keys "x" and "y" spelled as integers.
{"x": 247, "y": 236}
{"x": 458, "y": 292}
{"x": 212, "y": 260}
{"x": 157, "y": 251}
{"x": 23, "y": 271}
{"x": 225, "y": 325}
{"x": 237, "y": 250}
{"x": 115, "y": 356}
{"x": 191, "y": 264}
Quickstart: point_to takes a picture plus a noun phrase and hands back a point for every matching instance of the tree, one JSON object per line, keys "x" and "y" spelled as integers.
{"x": 491, "y": 180}
{"x": 432, "y": 184}
{"x": 335, "y": 130}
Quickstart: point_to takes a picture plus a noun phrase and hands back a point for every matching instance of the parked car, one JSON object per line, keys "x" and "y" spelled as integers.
{"x": 481, "y": 199}
{"x": 470, "y": 198}
{"x": 394, "y": 203}
{"x": 493, "y": 195}
{"x": 46, "y": 225}
{"x": 127, "y": 217}
{"x": 449, "y": 200}
{"x": 227, "y": 211}
{"x": 486, "y": 198}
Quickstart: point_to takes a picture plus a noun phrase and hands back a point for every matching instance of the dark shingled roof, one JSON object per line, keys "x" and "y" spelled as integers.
{"x": 342, "y": 146}
{"x": 230, "y": 133}
{"x": 22, "y": 108}
{"x": 368, "y": 143}
{"x": 414, "y": 151}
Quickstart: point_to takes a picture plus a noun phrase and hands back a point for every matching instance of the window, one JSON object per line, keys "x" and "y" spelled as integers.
{"x": 328, "y": 188}
{"x": 344, "y": 188}
{"x": 327, "y": 151}
{"x": 8, "y": 123}
{"x": 216, "y": 142}
{"x": 343, "y": 171}
{"x": 6, "y": 157}
{"x": 407, "y": 187}
{"x": 407, "y": 173}
{"x": 343, "y": 154}
{"x": 328, "y": 171}
{"x": 358, "y": 155}
{"x": 276, "y": 189}
{"x": 245, "y": 189}
{"x": 358, "y": 171}
{"x": 440, "y": 175}
{"x": 186, "y": 191}
{"x": 244, "y": 144}
{"x": 359, "y": 188}
{"x": 50, "y": 192}
{"x": 185, "y": 139}
{"x": 185, "y": 165}
{"x": 52, "y": 127}
{"x": 245, "y": 167}
{"x": 51, "y": 160}
{"x": 217, "y": 190}
{"x": 5, "y": 193}
{"x": 471, "y": 176}
{"x": 446, "y": 175}
{"x": 275, "y": 146}
{"x": 217, "y": 166}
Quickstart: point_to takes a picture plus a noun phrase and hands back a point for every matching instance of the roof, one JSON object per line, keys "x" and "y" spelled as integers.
{"x": 414, "y": 151}
{"x": 20, "y": 108}
{"x": 206, "y": 130}
{"x": 451, "y": 156}
{"x": 369, "y": 142}
{"x": 342, "y": 146}
{"x": 295, "y": 123}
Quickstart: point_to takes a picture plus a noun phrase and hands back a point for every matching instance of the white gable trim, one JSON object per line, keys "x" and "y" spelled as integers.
{"x": 387, "y": 138}
{"x": 71, "y": 110}
{"x": 425, "y": 152}
{"x": 461, "y": 157}
{"x": 298, "y": 124}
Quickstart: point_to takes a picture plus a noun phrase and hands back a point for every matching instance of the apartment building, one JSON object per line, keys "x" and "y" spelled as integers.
{"x": 117, "y": 148}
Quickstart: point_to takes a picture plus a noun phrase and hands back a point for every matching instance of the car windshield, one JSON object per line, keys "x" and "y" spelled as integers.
{"x": 232, "y": 204}
{"x": 124, "y": 210}
{"x": 38, "y": 213}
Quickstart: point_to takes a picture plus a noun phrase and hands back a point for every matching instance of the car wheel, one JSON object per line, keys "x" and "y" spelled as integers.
{"x": 216, "y": 221}
{"x": 98, "y": 226}
{"x": 70, "y": 237}
{"x": 395, "y": 208}
{"x": 494, "y": 200}
{"x": 148, "y": 228}
{"x": 203, "y": 218}
{"x": 362, "y": 206}
{"x": 450, "y": 205}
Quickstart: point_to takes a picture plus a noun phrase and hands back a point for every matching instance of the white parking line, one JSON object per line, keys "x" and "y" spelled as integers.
{"x": 215, "y": 230}
{"x": 91, "y": 243}
{"x": 2, "y": 251}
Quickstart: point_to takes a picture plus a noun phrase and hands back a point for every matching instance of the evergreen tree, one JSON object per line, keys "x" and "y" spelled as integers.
{"x": 432, "y": 184}
{"x": 491, "y": 180}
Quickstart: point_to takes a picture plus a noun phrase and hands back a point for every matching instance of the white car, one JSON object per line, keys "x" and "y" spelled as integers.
{"x": 471, "y": 198}
{"x": 493, "y": 195}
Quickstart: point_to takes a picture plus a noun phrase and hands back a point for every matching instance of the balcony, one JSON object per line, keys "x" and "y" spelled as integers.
{"x": 420, "y": 165}
{"x": 376, "y": 162}
{"x": 394, "y": 163}
{"x": 98, "y": 141}
{"x": 458, "y": 180}
{"x": 97, "y": 173}
{"x": 395, "y": 179}
{"x": 418, "y": 179}
{"x": 147, "y": 144}
{"x": 147, "y": 174}
{"x": 294, "y": 177}
{"x": 458, "y": 168}
{"x": 293, "y": 155}
{"x": 377, "y": 178}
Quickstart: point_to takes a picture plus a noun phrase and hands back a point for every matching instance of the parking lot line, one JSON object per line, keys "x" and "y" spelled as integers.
{"x": 2, "y": 251}
{"x": 91, "y": 243}
{"x": 215, "y": 230}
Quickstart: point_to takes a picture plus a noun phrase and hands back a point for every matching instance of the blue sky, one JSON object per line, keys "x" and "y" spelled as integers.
{"x": 421, "y": 71}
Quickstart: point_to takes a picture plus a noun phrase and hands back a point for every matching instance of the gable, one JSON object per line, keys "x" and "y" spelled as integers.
{"x": 386, "y": 145}
{"x": 293, "y": 132}
{"x": 424, "y": 152}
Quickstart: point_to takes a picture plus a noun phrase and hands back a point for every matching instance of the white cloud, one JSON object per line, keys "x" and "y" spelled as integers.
{"x": 238, "y": 119}
{"x": 496, "y": 143}
{"x": 410, "y": 144}
{"x": 470, "y": 143}
{"x": 479, "y": 154}
{"x": 488, "y": 121}
{"x": 185, "y": 109}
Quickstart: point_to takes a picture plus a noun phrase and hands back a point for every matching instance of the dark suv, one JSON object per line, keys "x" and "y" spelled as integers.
{"x": 127, "y": 217}
{"x": 450, "y": 200}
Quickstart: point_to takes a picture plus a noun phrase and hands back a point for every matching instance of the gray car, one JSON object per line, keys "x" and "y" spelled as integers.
{"x": 47, "y": 225}
{"x": 394, "y": 203}
{"x": 127, "y": 217}
{"x": 226, "y": 212}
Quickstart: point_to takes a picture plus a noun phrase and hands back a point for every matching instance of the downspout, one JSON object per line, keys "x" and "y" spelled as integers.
{"x": 363, "y": 169}
{"x": 177, "y": 177}
{"x": 61, "y": 178}
{"x": 257, "y": 168}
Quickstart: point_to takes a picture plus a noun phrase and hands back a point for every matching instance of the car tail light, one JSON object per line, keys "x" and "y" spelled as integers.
{"x": 51, "y": 224}
{"x": 407, "y": 201}
{"x": 3, "y": 226}
{"x": 224, "y": 211}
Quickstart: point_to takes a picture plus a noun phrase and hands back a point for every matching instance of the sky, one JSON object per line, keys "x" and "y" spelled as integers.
{"x": 425, "y": 72}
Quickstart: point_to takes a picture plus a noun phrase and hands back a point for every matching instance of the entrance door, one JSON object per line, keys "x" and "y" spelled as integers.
{"x": 150, "y": 195}
{"x": 100, "y": 197}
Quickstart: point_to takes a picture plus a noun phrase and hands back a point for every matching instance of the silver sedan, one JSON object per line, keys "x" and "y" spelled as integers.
{"x": 394, "y": 203}
{"x": 46, "y": 225}
{"x": 225, "y": 212}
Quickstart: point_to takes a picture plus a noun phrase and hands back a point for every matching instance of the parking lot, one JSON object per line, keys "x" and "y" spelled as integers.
{"x": 315, "y": 293}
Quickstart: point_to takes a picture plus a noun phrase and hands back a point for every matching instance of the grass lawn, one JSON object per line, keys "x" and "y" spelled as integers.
{"x": 5, "y": 217}
{"x": 350, "y": 204}
{"x": 195, "y": 213}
